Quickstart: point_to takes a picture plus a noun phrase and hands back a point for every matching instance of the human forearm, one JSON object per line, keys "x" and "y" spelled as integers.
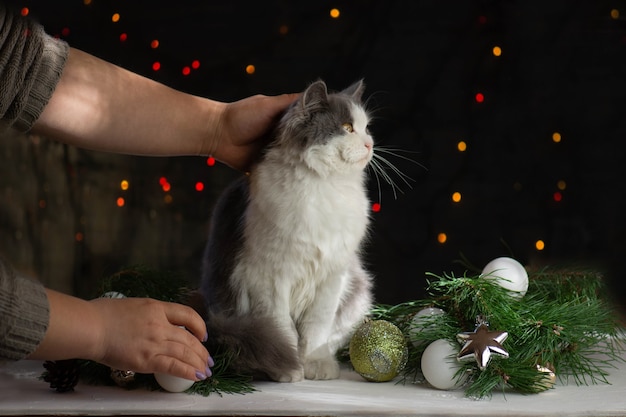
{"x": 100, "y": 106}
{"x": 71, "y": 331}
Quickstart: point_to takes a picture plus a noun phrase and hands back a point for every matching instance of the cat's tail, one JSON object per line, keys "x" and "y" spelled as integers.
{"x": 259, "y": 348}
{"x": 255, "y": 345}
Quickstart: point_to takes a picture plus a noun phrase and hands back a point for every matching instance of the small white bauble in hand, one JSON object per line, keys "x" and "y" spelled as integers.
{"x": 423, "y": 320}
{"x": 439, "y": 365}
{"x": 173, "y": 383}
{"x": 509, "y": 274}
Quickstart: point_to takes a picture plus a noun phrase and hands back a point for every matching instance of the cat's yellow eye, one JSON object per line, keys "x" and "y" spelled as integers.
{"x": 348, "y": 127}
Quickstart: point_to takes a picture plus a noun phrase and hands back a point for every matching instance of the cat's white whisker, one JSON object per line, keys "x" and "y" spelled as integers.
{"x": 377, "y": 182}
{"x": 380, "y": 171}
{"x": 384, "y": 168}
{"x": 405, "y": 178}
{"x": 396, "y": 152}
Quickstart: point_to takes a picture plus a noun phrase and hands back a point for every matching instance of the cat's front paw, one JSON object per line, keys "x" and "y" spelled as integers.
{"x": 321, "y": 369}
{"x": 295, "y": 375}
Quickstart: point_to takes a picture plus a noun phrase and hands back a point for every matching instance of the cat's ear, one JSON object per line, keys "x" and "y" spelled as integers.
{"x": 315, "y": 97}
{"x": 355, "y": 90}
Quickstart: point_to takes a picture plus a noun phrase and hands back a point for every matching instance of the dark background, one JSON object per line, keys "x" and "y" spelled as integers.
{"x": 562, "y": 69}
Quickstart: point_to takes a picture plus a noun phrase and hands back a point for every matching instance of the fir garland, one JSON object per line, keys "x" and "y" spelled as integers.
{"x": 561, "y": 322}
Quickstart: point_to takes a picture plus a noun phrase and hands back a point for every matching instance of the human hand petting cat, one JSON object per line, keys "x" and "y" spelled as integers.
{"x": 138, "y": 334}
{"x": 242, "y": 128}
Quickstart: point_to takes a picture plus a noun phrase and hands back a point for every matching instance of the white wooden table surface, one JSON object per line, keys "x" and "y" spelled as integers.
{"x": 22, "y": 393}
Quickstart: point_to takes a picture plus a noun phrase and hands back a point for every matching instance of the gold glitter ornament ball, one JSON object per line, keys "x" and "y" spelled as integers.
{"x": 378, "y": 351}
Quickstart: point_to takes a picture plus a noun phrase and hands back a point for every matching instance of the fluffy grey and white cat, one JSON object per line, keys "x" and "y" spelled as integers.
{"x": 283, "y": 282}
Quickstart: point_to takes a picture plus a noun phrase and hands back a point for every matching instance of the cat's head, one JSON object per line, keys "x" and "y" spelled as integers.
{"x": 326, "y": 131}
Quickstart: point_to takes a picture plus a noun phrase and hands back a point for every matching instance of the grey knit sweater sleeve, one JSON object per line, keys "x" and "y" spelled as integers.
{"x": 24, "y": 315}
{"x": 31, "y": 63}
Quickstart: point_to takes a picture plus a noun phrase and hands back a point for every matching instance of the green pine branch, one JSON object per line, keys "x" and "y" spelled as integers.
{"x": 224, "y": 379}
{"x": 562, "y": 322}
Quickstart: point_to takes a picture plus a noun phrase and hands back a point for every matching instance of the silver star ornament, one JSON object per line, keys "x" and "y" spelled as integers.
{"x": 481, "y": 344}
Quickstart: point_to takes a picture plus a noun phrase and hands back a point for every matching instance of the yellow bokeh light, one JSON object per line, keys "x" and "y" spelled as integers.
{"x": 561, "y": 185}
{"x": 168, "y": 198}
{"x": 540, "y": 245}
{"x": 86, "y": 2}
{"x": 615, "y": 14}
{"x": 283, "y": 29}
{"x": 456, "y": 196}
{"x": 115, "y": 18}
{"x": 497, "y": 51}
{"x": 124, "y": 185}
{"x": 556, "y": 137}
{"x": 250, "y": 69}
{"x": 461, "y": 146}
{"x": 442, "y": 237}
{"x": 334, "y": 13}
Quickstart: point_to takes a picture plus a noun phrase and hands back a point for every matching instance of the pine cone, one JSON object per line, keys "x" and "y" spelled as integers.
{"x": 62, "y": 375}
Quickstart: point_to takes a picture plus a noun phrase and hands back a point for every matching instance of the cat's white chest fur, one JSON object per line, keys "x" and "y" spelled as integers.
{"x": 306, "y": 237}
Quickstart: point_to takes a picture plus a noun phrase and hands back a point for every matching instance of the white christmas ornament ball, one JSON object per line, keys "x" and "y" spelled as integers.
{"x": 423, "y": 320}
{"x": 173, "y": 383}
{"x": 439, "y": 365}
{"x": 509, "y": 274}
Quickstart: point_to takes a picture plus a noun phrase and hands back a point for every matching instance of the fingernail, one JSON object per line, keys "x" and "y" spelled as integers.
{"x": 206, "y": 337}
{"x": 211, "y": 362}
{"x": 208, "y": 372}
{"x": 200, "y": 376}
